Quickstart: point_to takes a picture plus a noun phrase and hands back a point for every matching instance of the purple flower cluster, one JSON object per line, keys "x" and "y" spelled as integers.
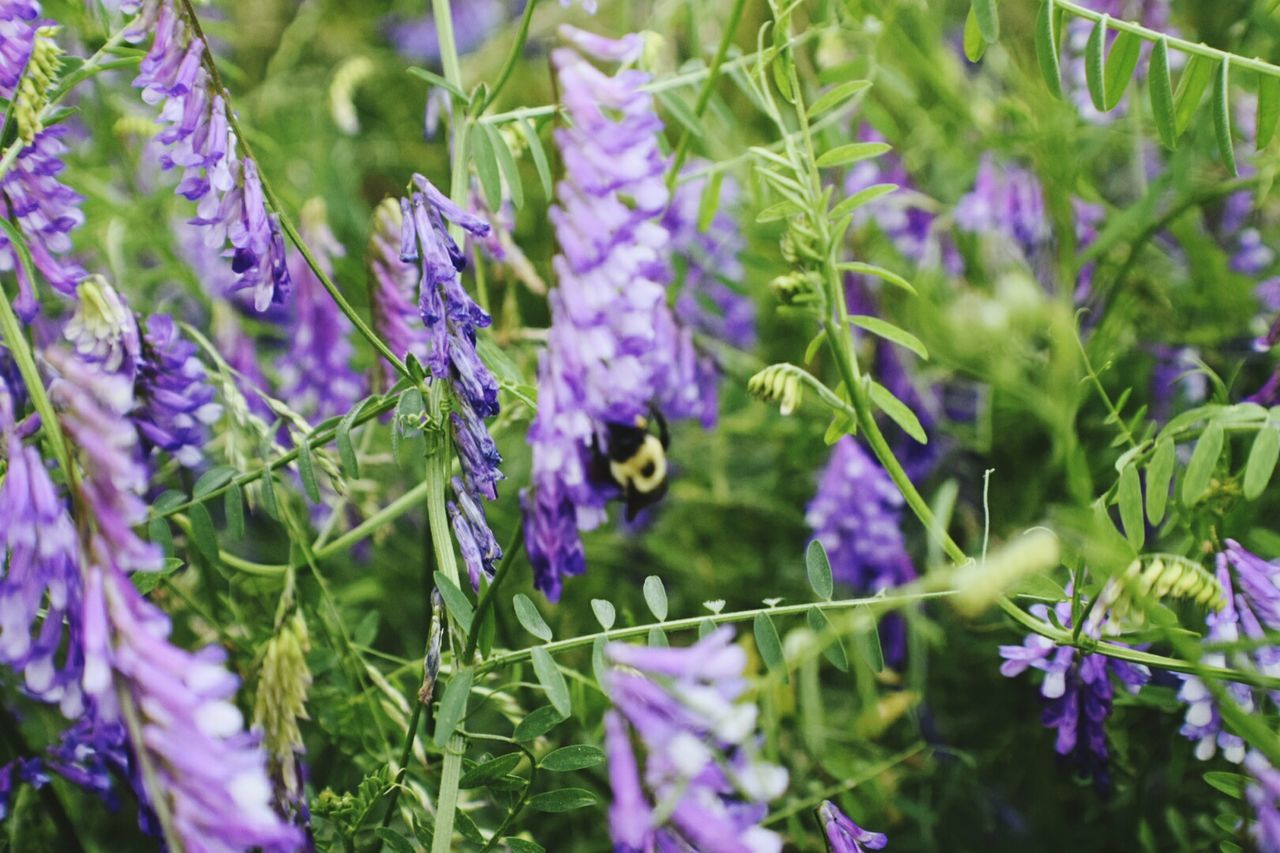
{"x": 317, "y": 378}
{"x": 706, "y": 303}
{"x": 613, "y": 351}
{"x": 1006, "y": 202}
{"x": 203, "y": 776}
{"x": 1262, "y": 793}
{"x": 451, "y": 318}
{"x": 1078, "y": 689}
{"x": 473, "y": 23}
{"x": 199, "y": 139}
{"x": 845, "y": 836}
{"x": 393, "y": 290}
{"x": 704, "y": 785}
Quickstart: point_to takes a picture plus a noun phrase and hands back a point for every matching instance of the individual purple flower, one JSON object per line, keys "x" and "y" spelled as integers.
{"x": 29, "y": 770}
{"x": 845, "y": 836}
{"x": 102, "y": 329}
{"x": 91, "y": 754}
{"x": 393, "y": 290}
{"x": 706, "y": 303}
{"x": 1006, "y": 202}
{"x": 46, "y": 211}
{"x": 702, "y": 768}
{"x": 205, "y": 778}
{"x": 230, "y": 201}
{"x": 1078, "y": 689}
{"x": 473, "y": 23}
{"x": 613, "y": 351}
{"x": 175, "y": 402}
{"x": 316, "y": 377}
{"x": 40, "y": 599}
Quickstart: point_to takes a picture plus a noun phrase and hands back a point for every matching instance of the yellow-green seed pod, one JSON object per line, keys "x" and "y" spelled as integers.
{"x": 283, "y": 683}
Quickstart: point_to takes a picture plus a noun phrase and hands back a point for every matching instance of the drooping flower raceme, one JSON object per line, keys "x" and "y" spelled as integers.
{"x": 230, "y": 204}
{"x": 451, "y": 318}
{"x": 613, "y": 349}
{"x": 845, "y": 836}
{"x": 393, "y": 289}
{"x": 316, "y": 378}
{"x": 1006, "y": 201}
{"x": 202, "y": 775}
{"x": 702, "y": 770}
{"x": 1078, "y": 689}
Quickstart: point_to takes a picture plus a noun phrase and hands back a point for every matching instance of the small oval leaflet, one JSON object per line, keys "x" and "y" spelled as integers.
{"x": 453, "y": 707}
{"x": 538, "y": 723}
{"x": 1203, "y": 461}
{"x": 563, "y": 800}
{"x": 655, "y": 595}
{"x": 578, "y": 756}
{"x": 605, "y": 614}
{"x": 768, "y": 643}
{"x": 1159, "y": 476}
{"x": 495, "y": 768}
{"x": 1262, "y": 461}
{"x": 818, "y": 567}
{"x": 530, "y": 618}
{"x": 551, "y": 679}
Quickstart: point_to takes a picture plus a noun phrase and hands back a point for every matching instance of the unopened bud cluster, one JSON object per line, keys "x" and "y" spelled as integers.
{"x": 282, "y": 694}
{"x": 33, "y": 92}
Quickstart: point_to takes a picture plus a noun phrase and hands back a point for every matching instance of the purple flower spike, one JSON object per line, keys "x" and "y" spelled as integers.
{"x": 176, "y": 403}
{"x": 845, "y": 836}
{"x": 393, "y": 284}
{"x": 198, "y": 138}
{"x": 18, "y": 22}
{"x": 1006, "y": 201}
{"x": 702, "y": 767}
{"x": 1078, "y": 689}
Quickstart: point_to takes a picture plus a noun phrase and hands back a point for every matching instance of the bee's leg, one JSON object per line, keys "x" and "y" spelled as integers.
{"x": 664, "y": 435}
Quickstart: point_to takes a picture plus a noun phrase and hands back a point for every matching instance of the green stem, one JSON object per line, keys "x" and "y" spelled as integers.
{"x": 486, "y": 600}
{"x": 406, "y": 755}
{"x": 513, "y": 56}
{"x": 447, "y": 802}
{"x": 708, "y": 86}
{"x": 273, "y": 200}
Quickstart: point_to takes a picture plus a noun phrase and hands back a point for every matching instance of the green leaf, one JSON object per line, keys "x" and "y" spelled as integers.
{"x": 709, "y": 202}
{"x": 1130, "y": 497}
{"x": 974, "y": 45}
{"x": 1203, "y": 461}
{"x": 159, "y": 533}
{"x": 818, "y": 567}
{"x": 1121, "y": 61}
{"x": 858, "y": 199}
{"x": 658, "y": 638}
{"x": 394, "y": 840}
{"x": 1262, "y": 461}
{"x": 1222, "y": 117}
{"x": 539, "y": 155}
{"x": 988, "y": 20}
{"x": 233, "y": 506}
{"x": 854, "y": 152}
{"x": 837, "y": 95}
{"x": 1159, "y": 476}
{"x": 482, "y": 151}
{"x": 655, "y": 595}
{"x": 551, "y": 679}
{"x": 898, "y": 411}
{"x": 781, "y": 210}
{"x": 868, "y": 644}
{"x": 562, "y": 800}
{"x": 267, "y": 491}
{"x": 1046, "y": 39}
{"x": 436, "y": 80}
{"x": 538, "y": 723}
{"x": 833, "y": 651}
{"x": 168, "y": 500}
{"x": 145, "y": 582}
{"x": 346, "y": 450}
{"x": 455, "y": 601}
{"x": 1094, "y": 74}
{"x": 506, "y": 162}
{"x": 599, "y": 666}
{"x": 522, "y": 845}
{"x": 453, "y": 707}
{"x": 578, "y": 756}
{"x": 495, "y": 768}
{"x": 1191, "y": 85}
{"x": 530, "y": 618}
{"x": 1268, "y": 108}
{"x": 212, "y": 480}
{"x": 890, "y": 332}
{"x": 1231, "y": 784}
{"x": 1160, "y": 88}
{"x": 768, "y": 643}
{"x": 706, "y": 628}
{"x": 206, "y": 541}
{"x": 605, "y": 614}
{"x": 878, "y": 272}
{"x": 307, "y": 470}
{"x": 681, "y": 112}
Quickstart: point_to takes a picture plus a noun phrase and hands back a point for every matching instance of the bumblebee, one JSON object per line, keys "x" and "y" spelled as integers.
{"x": 636, "y": 461}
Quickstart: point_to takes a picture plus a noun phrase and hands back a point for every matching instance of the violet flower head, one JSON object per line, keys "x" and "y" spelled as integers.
{"x": 230, "y": 201}
{"x": 845, "y": 836}
{"x": 702, "y": 767}
{"x": 317, "y": 378}
{"x": 1006, "y": 202}
{"x": 1078, "y": 689}
{"x": 46, "y": 211}
{"x": 707, "y": 302}
{"x": 40, "y": 600}
{"x": 102, "y": 329}
{"x": 1262, "y": 793}
{"x": 613, "y": 351}
{"x": 473, "y": 23}
{"x": 206, "y": 778}
{"x": 18, "y": 22}
{"x": 451, "y": 318}
{"x": 176, "y": 403}
{"x": 393, "y": 290}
